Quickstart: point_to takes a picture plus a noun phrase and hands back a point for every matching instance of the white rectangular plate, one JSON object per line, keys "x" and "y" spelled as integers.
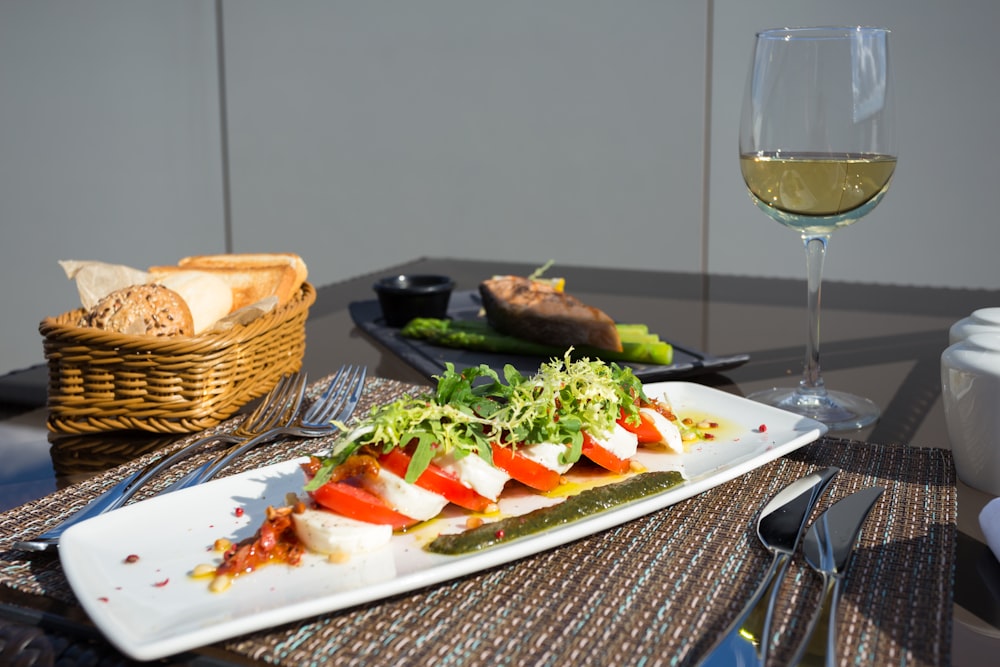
{"x": 153, "y": 608}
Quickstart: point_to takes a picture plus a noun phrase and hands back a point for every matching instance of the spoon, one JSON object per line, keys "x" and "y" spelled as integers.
{"x": 779, "y": 527}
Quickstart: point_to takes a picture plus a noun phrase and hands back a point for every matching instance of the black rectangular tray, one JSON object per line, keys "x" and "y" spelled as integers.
{"x": 430, "y": 359}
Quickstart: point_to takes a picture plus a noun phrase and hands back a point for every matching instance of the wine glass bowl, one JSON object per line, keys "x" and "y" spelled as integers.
{"x": 817, "y": 153}
{"x": 815, "y": 193}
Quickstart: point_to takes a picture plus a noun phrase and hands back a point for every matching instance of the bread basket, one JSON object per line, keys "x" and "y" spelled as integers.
{"x": 101, "y": 381}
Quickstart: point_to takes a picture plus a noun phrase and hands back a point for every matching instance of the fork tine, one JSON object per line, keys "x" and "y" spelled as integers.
{"x": 333, "y": 406}
{"x": 266, "y": 413}
{"x": 273, "y": 410}
{"x": 258, "y": 414}
{"x": 317, "y": 411}
{"x": 355, "y": 396}
{"x": 349, "y": 391}
{"x": 298, "y": 395}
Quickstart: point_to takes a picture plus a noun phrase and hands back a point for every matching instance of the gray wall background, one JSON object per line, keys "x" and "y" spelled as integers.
{"x": 364, "y": 134}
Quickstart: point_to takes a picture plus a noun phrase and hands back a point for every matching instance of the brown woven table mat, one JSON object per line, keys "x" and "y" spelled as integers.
{"x": 655, "y": 591}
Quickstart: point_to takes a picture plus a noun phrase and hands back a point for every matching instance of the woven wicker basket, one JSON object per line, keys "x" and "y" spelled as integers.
{"x": 100, "y": 381}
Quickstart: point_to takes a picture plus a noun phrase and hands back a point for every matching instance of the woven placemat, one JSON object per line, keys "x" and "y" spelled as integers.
{"x": 655, "y": 591}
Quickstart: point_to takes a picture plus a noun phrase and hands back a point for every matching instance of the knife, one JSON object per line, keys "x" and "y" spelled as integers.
{"x": 828, "y": 547}
{"x": 779, "y": 527}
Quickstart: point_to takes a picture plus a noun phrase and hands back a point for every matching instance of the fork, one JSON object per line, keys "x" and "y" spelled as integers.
{"x": 265, "y": 417}
{"x": 324, "y": 417}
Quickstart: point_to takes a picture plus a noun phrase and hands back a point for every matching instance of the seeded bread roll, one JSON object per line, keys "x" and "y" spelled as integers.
{"x": 145, "y": 310}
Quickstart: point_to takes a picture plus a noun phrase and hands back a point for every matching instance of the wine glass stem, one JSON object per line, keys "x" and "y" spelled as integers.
{"x": 812, "y": 380}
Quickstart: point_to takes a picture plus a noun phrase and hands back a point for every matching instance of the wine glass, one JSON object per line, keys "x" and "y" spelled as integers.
{"x": 817, "y": 152}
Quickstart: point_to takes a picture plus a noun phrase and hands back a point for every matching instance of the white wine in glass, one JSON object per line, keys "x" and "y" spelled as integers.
{"x": 817, "y": 153}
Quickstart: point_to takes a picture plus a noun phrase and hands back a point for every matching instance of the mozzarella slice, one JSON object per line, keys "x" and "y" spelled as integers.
{"x": 620, "y": 441}
{"x": 546, "y": 454}
{"x": 407, "y": 499}
{"x": 670, "y": 434}
{"x": 328, "y": 533}
{"x": 475, "y": 473}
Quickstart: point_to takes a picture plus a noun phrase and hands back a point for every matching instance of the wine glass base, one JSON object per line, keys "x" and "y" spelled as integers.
{"x": 839, "y": 410}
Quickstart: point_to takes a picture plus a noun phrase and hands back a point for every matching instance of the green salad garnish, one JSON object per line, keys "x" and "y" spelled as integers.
{"x": 473, "y": 409}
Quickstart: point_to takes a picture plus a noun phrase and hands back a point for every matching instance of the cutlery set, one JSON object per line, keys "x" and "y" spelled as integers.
{"x": 280, "y": 413}
{"x": 322, "y": 418}
{"x": 827, "y": 546}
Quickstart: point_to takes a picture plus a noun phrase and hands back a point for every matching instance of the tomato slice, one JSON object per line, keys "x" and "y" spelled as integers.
{"x": 436, "y": 480}
{"x": 356, "y": 503}
{"x": 602, "y": 456}
{"x": 520, "y": 467}
{"x": 645, "y": 430}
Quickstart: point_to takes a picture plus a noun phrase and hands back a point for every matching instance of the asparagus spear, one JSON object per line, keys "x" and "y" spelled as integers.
{"x": 639, "y": 346}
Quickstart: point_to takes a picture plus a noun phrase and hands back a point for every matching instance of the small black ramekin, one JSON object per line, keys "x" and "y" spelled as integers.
{"x": 405, "y": 297}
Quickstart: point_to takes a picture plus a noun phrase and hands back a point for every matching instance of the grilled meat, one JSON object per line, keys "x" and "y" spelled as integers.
{"x": 536, "y": 311}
